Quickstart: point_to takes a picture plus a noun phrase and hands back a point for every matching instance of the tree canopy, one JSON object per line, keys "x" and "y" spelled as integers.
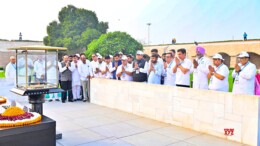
{"x": 113, "y": 42}
{"x": 75, "y": 30}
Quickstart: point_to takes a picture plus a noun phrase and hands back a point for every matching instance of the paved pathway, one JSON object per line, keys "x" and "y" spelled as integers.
{"x": 86, "y": 124}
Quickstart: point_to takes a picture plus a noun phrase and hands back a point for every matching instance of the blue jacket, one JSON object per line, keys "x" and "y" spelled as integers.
{"x": 113, "y": 65}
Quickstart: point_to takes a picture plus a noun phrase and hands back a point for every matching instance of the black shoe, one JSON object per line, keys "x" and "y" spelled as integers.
{"x": 57, "y": 100}
{"x": 84, "y": 100}
{"x": 70, "y": 100}
{"x": 80, "y": 99}
{"x": 63, "y": 101}
{"x": 50, "y": 100}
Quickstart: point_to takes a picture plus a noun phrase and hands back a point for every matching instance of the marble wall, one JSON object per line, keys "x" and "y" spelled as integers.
{"x": 201, "y": 110}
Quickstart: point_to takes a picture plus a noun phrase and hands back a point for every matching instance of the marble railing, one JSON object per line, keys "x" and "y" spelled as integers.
{"x": 225, "y": 115}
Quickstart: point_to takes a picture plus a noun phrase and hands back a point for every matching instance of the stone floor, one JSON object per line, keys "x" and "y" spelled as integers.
{"x": 86, "y": 124}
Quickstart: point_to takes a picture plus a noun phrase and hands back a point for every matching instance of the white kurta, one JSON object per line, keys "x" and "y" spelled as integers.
{"x": 94, "y": 65}
{"x": 200, "y": 74}
{"x": 245, "y": 81}
{"x": 169, "y": 76}
{"x": 102, "y": 68}
{"x": 10, "y": 71}
{"x": 85, "y": 71}
{"x": 110, "y": 70}
{"x": 217, "y": 84}
{"x": 75, "y": 75}
{"x": 181, "y": 78}
{"x": 124, "y": 76}
{"x": 39, "y": 68}
{"x": 21, "y": 66}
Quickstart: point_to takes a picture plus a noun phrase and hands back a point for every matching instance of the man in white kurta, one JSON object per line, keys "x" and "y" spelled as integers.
{"x": 94, "y": 65}
{"x": 75, "y": 78}
{"x": 169, "y": 74}
{"x": 183, "y": 69}
{"x": 21, "y": 67}
{"x": 10, "y": 71}
{"x": 200, "y": 69}
{"x": 130, "y": 59}
{"x": 85, "y": 72}
{"x": 100, "y": 71}
{"x": 244, "y": 74}
{"x": 39, "y": 69}
{"x": 107, "y": 70}
{"x": 218, "y": 74}
{"x": 124, "y": 71}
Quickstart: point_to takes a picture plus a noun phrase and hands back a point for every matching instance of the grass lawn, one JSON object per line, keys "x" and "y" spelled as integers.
{"x": 230, "y": 80}
{"x": 2, "y": 74}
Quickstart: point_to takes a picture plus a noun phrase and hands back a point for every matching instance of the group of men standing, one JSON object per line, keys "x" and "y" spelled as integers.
{"x": 174, "y": 70}
{"x": 76, "y": 72}
{"x": 206, "y": 75}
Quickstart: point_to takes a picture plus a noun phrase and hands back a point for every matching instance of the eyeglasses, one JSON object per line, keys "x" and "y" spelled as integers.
{"x": 168, "y": 56}
{"x": 216, "y": 59}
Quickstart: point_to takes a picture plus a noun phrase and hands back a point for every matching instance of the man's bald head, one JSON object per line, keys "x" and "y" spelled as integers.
{"x": 12, "y": 59}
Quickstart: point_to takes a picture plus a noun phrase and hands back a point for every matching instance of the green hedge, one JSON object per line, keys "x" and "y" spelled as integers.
{"x": 2, "y": 74}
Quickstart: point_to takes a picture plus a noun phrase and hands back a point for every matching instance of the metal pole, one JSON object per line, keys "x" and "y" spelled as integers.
{"x": 148, "y": 24}
{"x": 26, "y": 69}
{"x": 16, "y": 52}
{"x": 57, "y": 69}
{"x": 45, "y": 76}
{"x": 37, "y": 102}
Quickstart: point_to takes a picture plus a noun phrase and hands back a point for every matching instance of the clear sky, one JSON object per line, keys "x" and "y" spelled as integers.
{"x": 185, "y": 20}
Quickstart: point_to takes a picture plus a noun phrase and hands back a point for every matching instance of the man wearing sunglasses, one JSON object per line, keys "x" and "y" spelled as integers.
{"x": 244, "y": 74}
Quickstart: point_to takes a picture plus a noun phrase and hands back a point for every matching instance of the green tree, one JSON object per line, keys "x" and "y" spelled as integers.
{"x": 75, "y": 30}
{"x": 113, "y": 42}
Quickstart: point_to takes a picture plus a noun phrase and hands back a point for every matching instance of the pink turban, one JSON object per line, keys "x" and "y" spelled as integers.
{"x": 200, "y": 49}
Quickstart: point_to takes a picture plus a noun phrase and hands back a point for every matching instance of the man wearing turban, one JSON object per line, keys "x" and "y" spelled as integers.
{"x": 200, "y": 69}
